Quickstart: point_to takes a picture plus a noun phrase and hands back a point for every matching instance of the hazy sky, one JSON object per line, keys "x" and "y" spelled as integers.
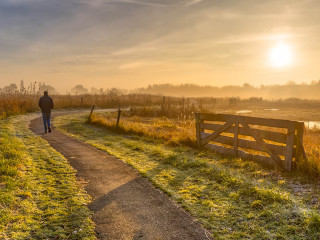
{"x": 133, "y": 43}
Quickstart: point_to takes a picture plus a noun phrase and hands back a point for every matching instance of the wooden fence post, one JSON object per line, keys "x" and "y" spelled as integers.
{"x": 93, "y": 106}
{"x": 299, "y": 147}
{"x": 183, "y": 106}
{"x": 236, "y": 133}
{"x": 163, "y": 102}
{"x": 198, "y": 133}
{"x": 118, "y": 118}
{"x": 289, "y": 148}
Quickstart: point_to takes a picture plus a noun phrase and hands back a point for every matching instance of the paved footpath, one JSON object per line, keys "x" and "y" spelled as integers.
{"x": 125, "y": 205}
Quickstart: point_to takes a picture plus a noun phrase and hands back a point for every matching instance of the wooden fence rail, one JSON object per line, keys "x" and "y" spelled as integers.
{"x": 247, "y": 137}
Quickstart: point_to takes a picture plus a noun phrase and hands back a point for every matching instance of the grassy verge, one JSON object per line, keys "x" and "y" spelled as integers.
{"x": 182, "y": 132}
{"x": 232, "y": 198}
{"x": 172, "y": 131}
{"x": 39, "y": 196}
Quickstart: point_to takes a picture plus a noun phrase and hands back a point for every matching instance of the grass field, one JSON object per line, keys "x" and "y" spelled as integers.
{"x": 177, "y": 131}
{"x": 14, "y": 103}
{"x": 39, "y": 195}
{"x": 234, "y": 199}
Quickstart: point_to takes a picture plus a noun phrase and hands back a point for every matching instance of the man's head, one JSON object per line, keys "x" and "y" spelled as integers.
{"x": 45, "y": 93}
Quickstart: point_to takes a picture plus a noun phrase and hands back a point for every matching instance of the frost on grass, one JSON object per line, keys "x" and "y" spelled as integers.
{"x": 234, "y": 199}
{"x": 39, "y": 196}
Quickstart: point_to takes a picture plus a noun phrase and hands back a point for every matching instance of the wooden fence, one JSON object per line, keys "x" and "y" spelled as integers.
{"x": 281, "y": 141}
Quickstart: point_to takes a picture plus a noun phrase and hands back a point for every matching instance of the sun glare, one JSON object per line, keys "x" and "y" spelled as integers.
{"x": 280, "y": 55}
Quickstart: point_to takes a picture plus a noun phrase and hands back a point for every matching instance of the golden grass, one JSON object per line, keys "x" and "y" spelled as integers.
{"x": 13, "y": 103}
{"x": 182, "y": 131}
{"x": 171, "y": 118}
{"x": 311, "y": 144}
{"x": 173, "y": 131}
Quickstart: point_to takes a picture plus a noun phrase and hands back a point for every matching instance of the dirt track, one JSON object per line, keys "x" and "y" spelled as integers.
{"x": 125, "y": 205}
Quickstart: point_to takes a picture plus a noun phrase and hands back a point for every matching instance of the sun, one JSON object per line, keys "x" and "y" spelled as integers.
{"x": 280, "y": 55}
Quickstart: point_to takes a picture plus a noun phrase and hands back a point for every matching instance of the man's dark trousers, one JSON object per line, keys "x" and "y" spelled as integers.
{"x": 46, "y": 121}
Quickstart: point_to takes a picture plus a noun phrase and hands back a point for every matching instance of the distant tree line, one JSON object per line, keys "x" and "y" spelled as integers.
{"x": 39, "y": 88}
{"x": 81, "y": 90}
{"x": 289, "y": 90}
{"x": 31, "y": 88}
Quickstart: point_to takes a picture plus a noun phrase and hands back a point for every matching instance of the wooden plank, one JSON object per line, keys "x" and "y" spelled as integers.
{"x": 276, "y": 159}
{"x": 257, "y": 158}
{"x": 217, "y": 132}
{"x": 243, "y": 143}
{"x": 267, "y": 135}
{"x": 229, "y": 151}
{"x": 269, "y": 122}
{"x": 216, "y": 117}
{"x": 220, "y": 149}
{"x": 289, "y": 149}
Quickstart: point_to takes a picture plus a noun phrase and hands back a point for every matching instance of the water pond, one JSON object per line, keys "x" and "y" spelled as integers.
{"x": 312, "y": 124}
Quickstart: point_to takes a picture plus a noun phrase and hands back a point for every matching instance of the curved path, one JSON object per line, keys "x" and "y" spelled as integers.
{"x": 125, "y": 205}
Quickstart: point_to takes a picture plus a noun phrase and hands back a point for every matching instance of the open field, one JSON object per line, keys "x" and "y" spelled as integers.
{"x": 182, "y": 132}
{"x": 172, "y": 118}
{"x": 19, "y": 103}
{"x": 172, "y": 107}
{"x": 39, "y": 195}
{"x": 230, "y": 197}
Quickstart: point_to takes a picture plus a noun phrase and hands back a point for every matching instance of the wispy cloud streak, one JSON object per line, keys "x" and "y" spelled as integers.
{"x": 193, "y": 2}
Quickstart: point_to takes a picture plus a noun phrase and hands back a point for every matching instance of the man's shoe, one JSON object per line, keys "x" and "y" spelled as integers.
{"x": 49, "y": 129}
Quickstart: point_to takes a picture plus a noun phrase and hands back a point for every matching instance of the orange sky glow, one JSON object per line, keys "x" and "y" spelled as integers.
{"x": 133, "y": 43}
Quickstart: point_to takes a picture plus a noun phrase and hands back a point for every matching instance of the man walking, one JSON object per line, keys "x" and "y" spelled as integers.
{"x": 46, "y": 104}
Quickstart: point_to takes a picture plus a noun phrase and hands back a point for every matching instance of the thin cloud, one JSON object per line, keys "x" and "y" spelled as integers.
{"x": 129, "y": 2}
{"x": 147, "y": 65}
{"x": 193, "y": 2}
{"x": 142, "y": 47}
{"x": 256, "y": 38}
{"x": 132, "y": 65}
{"x": 85, "y": 59}
{"x": 19, "y": 2}
{"x": 145, "y": 3}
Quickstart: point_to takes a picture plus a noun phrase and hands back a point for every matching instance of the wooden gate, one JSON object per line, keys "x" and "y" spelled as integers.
{"x": 272, "y": 141}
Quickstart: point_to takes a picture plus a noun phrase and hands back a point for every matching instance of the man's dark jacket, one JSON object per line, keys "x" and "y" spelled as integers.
{"x": 46, "y": 104}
